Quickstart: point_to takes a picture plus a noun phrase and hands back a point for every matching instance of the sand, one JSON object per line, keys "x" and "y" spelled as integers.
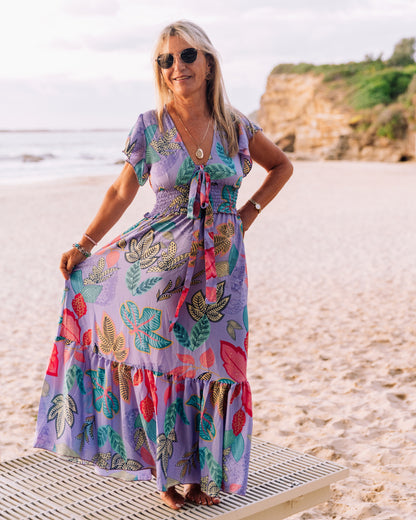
{"x": 332, "y": 275}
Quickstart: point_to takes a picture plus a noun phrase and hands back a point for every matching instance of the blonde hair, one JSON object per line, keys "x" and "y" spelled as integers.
{"x": 225, "y": 117}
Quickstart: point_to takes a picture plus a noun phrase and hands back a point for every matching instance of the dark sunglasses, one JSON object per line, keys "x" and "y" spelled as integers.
{"x": 165, "y": 61}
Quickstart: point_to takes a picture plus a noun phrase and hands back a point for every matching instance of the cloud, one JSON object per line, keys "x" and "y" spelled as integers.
{"x": 91, "y": 7}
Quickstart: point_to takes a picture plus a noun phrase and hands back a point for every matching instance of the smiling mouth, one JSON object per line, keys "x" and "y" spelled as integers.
{"x": 180, "y": 78}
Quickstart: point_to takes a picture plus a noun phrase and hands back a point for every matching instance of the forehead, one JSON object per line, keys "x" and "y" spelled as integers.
{"x": 175, "y": 44}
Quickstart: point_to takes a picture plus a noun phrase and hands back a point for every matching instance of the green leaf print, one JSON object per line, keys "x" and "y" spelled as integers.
{"x": 76, "y": 281}
{"x": 91, "y": 292}
{"x": 106, "y": 432}
{"x": 219, "y": 171}
{"x": 62, "y": 412}
{"x": 147, "y": 284}
{"x": 226, "y": 159}
{"x": 181, "y": 411}
{"x": 181, "y": 335}
{"x": 163, "y": 226}
{"x": 74, "y": 373}
{"x": 150, "y": 429}
{"x": 205, "y": 426}
{"x": 200, "y": 332}
{"x": 102, "y": 435}
{"x": 233, "y": 257}
{"x": 245, "y": 317}
{"x": 103, "y": 399}
{"x": 144, "y": 326}
{"x": 170, "y": 418}
{"x": 237, "y": 447}
{"x": 151, "y": 155}
{"x": 195, "y": 401}
{"x": 133, "y": 277}
{"x": 214, "y": 468}
{"x": 139, "y": 170}
{"x": 185, "y": 172}
{"x": 228, "y": 438}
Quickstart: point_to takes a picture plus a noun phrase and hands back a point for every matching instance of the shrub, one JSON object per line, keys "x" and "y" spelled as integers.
{"x": 392, "y": 123}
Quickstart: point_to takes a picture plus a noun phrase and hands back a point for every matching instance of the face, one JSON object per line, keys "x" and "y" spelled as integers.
{"x": 185, "y": 79}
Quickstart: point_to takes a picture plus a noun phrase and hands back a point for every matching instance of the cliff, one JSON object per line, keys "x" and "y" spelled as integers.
{"x": 310, "y": 119}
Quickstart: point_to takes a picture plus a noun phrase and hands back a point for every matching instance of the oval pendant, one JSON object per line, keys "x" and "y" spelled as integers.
{"x": 199, "y": 153}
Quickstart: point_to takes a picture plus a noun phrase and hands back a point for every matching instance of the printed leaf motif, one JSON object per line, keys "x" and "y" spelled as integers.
{"x": 133, "y": 277}
{"x": 213, "y": 310}
{"x": 166, "y": 144}
{"x": 169, "y": 290}
{"x": 195, "y": 401}
{"x": 181, "y": 335}
{"x": 207, "y": 358}
{"x": 233, "y": 257}
{"x": 197, "y": 307}
{"x": 190, "y": 460}
{"x": 118, "y": 463}
{"x": 165, "y": 449}
{"x": 99, "y": 274}
{"x": 122, "y": 378}
{"x": 103, "y": 399}
{"x": 235, "y": 361}
{"x": 70, "y": 328}
{"x": 200, "y": 332}
{"x": 74, "y": 373}
{"x": 219, "y": 171}
{"x": 90, "y": 293}
{"x": 77, "y": 281}
{"x": 214, "y": 468}
{"x": 144, "y": 327}
{"x": 170, "y": 418}
{"x": 218, "y": 397}
{"x": 143, "y": 250}
{"x": 185, "y": 172}
{"x": 181, "y": 411}
{"x": 116, "y": 442}
{"x": 168, "y": 260}
{"x": 245, "y": 317}
{"x": 147, "y": 285}
{"x": 62, "y": 412}
{"x": 186, "y": 358}
{"x": 87, "y": 431}
{"x": 222, "y": 268}
{"x": 232, "y": 326}
{"x": 109, "y": 342}
{"x": 237, "y": 447}
{"x": 205, "y": 426}
{"x": 226, "y": 159}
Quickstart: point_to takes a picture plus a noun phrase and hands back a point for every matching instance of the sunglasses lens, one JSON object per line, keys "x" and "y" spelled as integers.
{"x": 165, "y": 61}
{"x": 189, "y": 55}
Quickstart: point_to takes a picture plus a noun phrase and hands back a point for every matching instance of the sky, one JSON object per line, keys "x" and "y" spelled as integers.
{"x": 81, "y": 64}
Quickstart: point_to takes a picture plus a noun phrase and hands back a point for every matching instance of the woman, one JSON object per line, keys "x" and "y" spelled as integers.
{"x": 148, "y": 372}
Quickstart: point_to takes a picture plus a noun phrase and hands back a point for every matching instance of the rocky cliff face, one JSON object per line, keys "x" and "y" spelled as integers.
{"x": 309, "y": 120}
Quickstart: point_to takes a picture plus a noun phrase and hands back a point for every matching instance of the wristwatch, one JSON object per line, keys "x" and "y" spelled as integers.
{"x": 255, "y": 204}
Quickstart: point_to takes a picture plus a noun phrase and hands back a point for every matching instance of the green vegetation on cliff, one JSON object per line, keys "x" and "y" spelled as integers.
{"x": 370, "y": 82}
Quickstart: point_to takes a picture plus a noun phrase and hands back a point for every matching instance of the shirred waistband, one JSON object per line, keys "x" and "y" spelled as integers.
{"x": 175, "y": 200}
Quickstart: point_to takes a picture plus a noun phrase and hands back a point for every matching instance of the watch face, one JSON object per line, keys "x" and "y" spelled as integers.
{"x": 257, "y": 206}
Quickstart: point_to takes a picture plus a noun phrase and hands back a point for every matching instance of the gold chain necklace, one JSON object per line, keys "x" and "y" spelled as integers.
{"x": 199, "y": 152}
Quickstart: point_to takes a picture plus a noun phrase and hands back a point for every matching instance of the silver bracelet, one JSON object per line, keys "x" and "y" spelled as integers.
{"x": 82, "y": 250}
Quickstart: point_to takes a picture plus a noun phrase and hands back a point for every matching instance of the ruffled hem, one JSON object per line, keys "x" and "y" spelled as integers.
{"x": 127, "y": 420}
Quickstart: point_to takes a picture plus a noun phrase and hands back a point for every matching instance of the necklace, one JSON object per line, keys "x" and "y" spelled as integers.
{"x": 199, "y": 152}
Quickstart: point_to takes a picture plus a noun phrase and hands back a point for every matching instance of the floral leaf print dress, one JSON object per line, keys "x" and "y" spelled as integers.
{"x": 149, "y": 365}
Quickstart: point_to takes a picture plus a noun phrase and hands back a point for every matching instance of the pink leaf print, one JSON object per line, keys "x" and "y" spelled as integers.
{"x": 70, "y": 328}
{"x": 246, "y": 400}
{"x": 186, "y": 358}
{"x": 167, "y": 395}
{"x": 138, "y": 378}
{"x": 207, "y": 358}
{"x": 235, "y": 361}
{"x": 210, "y": 269}
{"x": 234, "y": 488}
{"x": 53, "y": 362}
{"x": 178, "y": 371}
{"x": 190, "y": 373}
{"x": 87, "y": 338}
{"x": 112, "y": 258}
{"x": 145, "y": 455}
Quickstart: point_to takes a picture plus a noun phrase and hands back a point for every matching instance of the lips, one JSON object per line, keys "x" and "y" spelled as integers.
{"x": 181, "y": 78}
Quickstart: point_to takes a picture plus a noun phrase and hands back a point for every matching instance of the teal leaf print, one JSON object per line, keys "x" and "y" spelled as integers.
{"x": 76, "y": 281}
{"x": 181, "y": 411}
{"x": 226, "y": 159}
{"x": 139, "y": 170}
{"x": 170, "y": 418}
{"x": 150, "y": 429}
{"x": 237, "y": 447}
{"x": 144, "y": 327}
{"x": 91, "y": 292}
{"x": 229, "y": 195}
{"x": 195, "y": 401}
{"x": 103, "y": 399}
{"x": 226, "y": 380}
{"x": 62, "y": 412}
{"x": 205, "y": 426}
{"x": 133, "y": 277}
{"x": 185, "y": 172}
{"x": 219, "y": 171}
{"x": 228, "y": 438}
{"x": 181, "y": 335}
{"x": 233, "y": 257}
{"x": 74, "y": 373}
{"x": 245, "y": 317}
{"x": 138, "y": 422}
{"x": 147, "y": 284}
{"x": 214, "y": 468}
{"x": 116, "y": 442}
{"x": 200, "y": 332}
{"x": 163, "y": 226}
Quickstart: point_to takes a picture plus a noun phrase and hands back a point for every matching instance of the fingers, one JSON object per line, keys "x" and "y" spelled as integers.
{"x": 69, "y": 260}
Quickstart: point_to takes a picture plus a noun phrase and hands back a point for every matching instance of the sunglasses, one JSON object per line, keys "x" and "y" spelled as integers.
{"x": 165, "y": 61}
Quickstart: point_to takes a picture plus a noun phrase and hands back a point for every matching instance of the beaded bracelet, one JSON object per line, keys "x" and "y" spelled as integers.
{"x": 82, "y": 249}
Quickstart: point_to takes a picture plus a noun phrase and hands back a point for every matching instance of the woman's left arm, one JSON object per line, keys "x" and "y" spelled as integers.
{"x": 279, "y": 169}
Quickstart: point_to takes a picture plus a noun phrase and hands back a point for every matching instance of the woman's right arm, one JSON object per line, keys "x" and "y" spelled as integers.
{"x": 117, "y": 199}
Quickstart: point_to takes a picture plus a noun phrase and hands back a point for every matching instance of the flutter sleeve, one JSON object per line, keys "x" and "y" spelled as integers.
{"x": 135, "y": 150}
{"x": 247, "y": 129}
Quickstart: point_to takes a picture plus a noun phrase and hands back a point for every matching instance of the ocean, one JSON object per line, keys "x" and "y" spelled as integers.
{"x": 37, "y": 156}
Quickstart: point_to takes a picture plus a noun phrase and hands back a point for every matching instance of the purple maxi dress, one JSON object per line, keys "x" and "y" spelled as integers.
{"x": 149, "y": 365}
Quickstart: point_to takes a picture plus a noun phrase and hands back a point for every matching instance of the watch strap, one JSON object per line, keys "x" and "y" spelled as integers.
{"x": 256, "y": 205}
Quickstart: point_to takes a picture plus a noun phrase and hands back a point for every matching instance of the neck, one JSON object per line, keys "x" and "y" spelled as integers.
{"x": 191, "y": 109}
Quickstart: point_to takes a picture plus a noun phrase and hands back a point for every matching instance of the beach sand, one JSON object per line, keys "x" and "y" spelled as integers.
{"x": 332, "y": 275}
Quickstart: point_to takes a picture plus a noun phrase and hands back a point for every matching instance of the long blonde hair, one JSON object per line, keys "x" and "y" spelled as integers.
{"x": 225, "y": 117}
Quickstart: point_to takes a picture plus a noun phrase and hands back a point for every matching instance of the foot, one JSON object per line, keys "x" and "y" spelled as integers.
{"x": 193, "y": 493}
{"x": 172, "y": 498}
